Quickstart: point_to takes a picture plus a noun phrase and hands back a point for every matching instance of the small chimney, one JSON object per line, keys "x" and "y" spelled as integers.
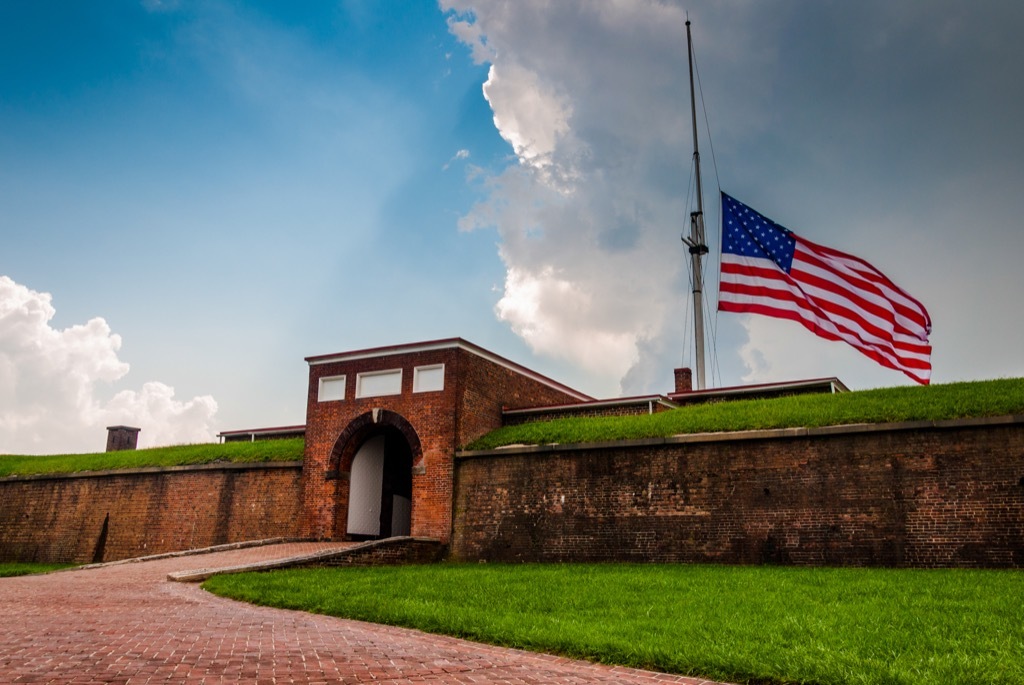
{"x": 122, "y": 438}
{"x": 684, "y": 380}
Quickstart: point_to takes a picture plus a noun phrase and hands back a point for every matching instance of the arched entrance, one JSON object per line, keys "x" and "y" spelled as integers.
{"x": 380, "y": 487}
{"x": 373, "y": 459}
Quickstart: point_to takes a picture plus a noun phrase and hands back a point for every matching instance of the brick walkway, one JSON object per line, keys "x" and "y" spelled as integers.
{"x": 126, "y": 623}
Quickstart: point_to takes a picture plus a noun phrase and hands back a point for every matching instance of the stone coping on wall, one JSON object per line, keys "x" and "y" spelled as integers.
{"x": 761, "y": 434}
{"x": 149, "y": 470}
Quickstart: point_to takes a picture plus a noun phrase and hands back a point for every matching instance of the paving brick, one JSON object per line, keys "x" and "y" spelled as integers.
{"x": 126, "y": 623}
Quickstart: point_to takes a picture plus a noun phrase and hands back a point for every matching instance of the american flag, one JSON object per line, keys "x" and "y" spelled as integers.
{"x": 767, "y": 269}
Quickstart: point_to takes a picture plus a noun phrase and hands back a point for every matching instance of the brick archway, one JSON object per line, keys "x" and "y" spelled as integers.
{"x": 378, "y": 423}
{"x": 363, "y": 426}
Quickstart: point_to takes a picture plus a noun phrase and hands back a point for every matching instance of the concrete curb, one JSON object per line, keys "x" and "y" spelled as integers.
{"x": 201, "y": 574}
{"x": 191, "y": 552}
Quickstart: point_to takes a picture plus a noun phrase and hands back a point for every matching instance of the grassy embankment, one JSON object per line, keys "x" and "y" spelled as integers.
{"x": 934, "y": 403}
{"x": 14, "y": 568}
{"x": 883, "y": 405}
{"x": 737, "y": 624}
{"x": 179, "y": 455}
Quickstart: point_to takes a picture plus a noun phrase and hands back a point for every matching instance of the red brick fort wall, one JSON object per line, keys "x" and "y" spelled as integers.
{"x": 122, "y": 514}
{"x": 924, "y": 495}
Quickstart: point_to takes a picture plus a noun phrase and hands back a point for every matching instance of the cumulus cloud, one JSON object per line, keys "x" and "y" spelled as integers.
{"x": 459, "y": 156}
{"x": 590, "y": 215}
{"x": 528, "y": 112}
{"x": 843, "y": 135}
{"x": 50, "y": 378}
{"x": 469, "y": 32}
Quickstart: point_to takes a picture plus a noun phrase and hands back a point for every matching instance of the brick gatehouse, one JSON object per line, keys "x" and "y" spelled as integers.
{"x": 383, "y": 426}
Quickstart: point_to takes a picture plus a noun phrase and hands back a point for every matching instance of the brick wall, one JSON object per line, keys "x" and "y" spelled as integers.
{"x": 122, "y": 514}
{"x": 389, "y": 552}
{"x": 949, "y": 494}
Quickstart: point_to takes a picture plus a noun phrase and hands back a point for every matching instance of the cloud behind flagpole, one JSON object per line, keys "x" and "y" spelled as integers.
{"x": 847, "y": 135}
{"x": 589, "y": 215}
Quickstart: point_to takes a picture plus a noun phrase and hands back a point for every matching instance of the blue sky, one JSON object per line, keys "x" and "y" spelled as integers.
{"x": 209, "y": 192}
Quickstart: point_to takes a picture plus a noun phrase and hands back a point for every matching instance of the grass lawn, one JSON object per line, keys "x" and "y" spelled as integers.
{"x": 178, "y": 455}
{"x": 10, "y": 569}
{"x": 882, "y": 405}
{"x": 737, "y": 624}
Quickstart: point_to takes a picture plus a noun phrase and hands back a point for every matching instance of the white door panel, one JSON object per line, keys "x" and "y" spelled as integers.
{"x": 364, "y": 489}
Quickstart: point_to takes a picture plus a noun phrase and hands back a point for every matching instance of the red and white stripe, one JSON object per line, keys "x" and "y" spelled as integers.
{"x": 838, "y": 297}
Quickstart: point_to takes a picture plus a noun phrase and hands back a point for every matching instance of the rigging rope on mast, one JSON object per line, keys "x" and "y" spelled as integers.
{"x": 687, "y": 320}
{"x": 715, "y": 370}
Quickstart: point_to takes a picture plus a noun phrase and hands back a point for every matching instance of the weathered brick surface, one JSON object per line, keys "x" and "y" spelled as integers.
{"x": 949, "y": 495}
{"x": 122, "y": 514}
{"x": 390, "y": 552}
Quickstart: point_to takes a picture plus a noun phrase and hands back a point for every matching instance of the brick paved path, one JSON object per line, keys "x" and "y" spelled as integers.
{"x": 127, "y": 623}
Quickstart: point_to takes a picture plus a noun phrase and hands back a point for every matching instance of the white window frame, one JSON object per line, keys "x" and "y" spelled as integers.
{"x": 362, "y": 378}
{"x": 333, "y": 382}
{"x": 424, "y": 372}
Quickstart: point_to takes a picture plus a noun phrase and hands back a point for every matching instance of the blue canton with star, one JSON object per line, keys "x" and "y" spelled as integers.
{"x": 749, "y": 234}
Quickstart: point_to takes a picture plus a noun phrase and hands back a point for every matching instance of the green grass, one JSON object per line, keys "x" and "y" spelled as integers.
{"x": 935, "y": 402}
{"x": 10, "y": 569}
{"x": 180, "y": 455}
{"x": 738, "y": 624}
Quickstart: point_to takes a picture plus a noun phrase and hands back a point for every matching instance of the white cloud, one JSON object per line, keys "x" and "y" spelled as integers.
{"x": 844, "y": 139}
{"x": 165, "y": 420}
{"x": 528, "y": 113}
{"x": 49, "y": 382}
{"x": 590, "y": 217}
{"x": 553, "y": 315}
{"x": 459, "y": 156}
{"x": 461, "y": 24}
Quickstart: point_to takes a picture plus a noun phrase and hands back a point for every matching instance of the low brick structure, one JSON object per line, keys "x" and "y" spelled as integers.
{"x": 924, "y": 494}
{"x": 122, "y": 438}
{"x": 421, "y": 402}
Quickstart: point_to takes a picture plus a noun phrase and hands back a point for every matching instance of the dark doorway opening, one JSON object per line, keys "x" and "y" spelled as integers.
{"x": 380, "y": 487}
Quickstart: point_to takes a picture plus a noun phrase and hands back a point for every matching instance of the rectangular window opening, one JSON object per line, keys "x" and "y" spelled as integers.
{"x": 332, "y": 388}
{"x": 379, "y": 383}
{"x": 428, "y": 378}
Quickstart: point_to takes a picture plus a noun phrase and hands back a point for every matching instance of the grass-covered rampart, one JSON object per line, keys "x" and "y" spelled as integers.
{"x": 178, "y": 455}
{"x": 934, "y": 403}
{"x": 884, "y": 405}
{"x": 738, "y": 624}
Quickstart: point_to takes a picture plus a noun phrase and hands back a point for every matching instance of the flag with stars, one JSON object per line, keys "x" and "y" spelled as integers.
{"x": 767, "y": 269}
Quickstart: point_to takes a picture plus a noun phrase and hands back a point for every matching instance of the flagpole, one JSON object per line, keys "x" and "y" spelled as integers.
{"x": 695, "y": 241}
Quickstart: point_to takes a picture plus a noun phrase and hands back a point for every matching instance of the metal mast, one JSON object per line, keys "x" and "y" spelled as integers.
{"x": 695, "y": 241}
